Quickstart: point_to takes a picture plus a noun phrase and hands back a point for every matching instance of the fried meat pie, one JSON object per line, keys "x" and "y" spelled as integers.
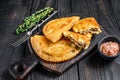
{"x": 53, "y": 30}
{"x": 81, "y": 40}
{"x": 86, "y": 25}
{"x": 59, "y": 51}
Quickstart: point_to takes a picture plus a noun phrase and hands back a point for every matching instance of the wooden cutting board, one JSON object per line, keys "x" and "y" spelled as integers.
{"x": 63, "y": 66}
{"x": 60, "y": 67}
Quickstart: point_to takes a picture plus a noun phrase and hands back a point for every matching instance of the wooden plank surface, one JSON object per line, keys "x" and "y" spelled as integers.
{"x": 12, "y": 13}
{"x": 93, "y": 67}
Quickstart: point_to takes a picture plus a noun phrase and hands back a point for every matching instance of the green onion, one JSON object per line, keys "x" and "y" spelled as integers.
{"x": 32, "y": 20}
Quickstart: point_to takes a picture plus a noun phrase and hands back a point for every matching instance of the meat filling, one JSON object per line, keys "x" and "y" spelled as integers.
{"x": 79, "y": 44}
{"x": 94, "y": 29}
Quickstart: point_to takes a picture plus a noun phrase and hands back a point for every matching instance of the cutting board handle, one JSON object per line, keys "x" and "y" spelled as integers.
{"x": 20, "y": 69}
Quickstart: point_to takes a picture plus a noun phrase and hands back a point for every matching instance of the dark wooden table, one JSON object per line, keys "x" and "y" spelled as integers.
{"x": 12, "y": 13}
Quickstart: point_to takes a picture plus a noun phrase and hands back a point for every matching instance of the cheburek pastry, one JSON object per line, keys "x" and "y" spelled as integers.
{"x": 54, "y": 28}
{"x": 81, "y": 40}
{"x": 86, "y": 25}
{"x": 59, "y": 51}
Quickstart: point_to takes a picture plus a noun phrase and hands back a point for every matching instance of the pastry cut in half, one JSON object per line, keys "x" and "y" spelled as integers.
{"x": 86, "y": 25}
{"x": 59, "y": 51}
{"x": 53, "y": 29}
{"x": 81, "y": 40}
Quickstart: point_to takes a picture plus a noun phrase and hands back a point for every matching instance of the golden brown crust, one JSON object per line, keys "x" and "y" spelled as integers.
{"x": 60, "y": 51}
{"x": 81, "y": 40}
{"x": 86, "y": 25}
{"x": 53, "y": 29}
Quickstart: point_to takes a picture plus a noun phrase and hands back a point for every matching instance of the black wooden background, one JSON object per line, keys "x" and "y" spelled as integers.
{"x": 12, "y": 13}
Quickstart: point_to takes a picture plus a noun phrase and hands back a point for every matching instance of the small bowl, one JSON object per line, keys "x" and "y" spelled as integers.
{"x": 107, "y": 39}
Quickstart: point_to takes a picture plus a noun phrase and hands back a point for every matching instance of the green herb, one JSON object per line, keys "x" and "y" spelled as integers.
{"x": 32, "y": 20}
